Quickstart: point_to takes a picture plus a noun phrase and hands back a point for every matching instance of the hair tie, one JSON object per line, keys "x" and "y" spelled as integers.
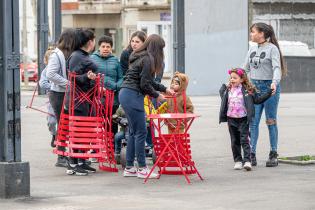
{"x": 240, "y": 72}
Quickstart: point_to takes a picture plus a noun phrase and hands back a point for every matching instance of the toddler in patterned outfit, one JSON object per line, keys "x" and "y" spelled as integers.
{"x": 237, "y": 109}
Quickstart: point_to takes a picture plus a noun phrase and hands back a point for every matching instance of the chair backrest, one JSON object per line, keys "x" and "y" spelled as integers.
{"x": 175, "y": 102}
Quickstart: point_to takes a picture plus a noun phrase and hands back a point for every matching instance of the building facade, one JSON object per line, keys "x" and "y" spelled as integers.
{"x": 119, "y": 19}
{"x": 292, "y": 20}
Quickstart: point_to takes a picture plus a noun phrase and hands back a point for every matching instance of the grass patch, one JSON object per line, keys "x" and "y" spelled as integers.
{"x": 299, "y": 160}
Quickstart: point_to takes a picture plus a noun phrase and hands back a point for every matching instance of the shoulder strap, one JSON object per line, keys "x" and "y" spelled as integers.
{"x": 60, "y": 69}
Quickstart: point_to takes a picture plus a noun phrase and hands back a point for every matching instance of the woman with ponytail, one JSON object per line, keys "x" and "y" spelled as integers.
{"x": 265, "y": 65}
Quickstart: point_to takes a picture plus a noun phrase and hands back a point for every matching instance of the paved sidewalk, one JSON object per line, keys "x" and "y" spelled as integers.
{"x": 285, "y": 187}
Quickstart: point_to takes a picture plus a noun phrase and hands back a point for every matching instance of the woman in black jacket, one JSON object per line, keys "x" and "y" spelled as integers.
{"x": 80, "y": 63}
{"x": 137, "y": 39}
{"x": 145, "y": 62}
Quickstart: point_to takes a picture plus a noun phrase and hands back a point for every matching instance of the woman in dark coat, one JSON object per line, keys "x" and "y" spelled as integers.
{"x": 145, "y": 63}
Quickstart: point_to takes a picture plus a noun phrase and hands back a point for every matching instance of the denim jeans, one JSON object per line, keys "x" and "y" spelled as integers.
{"x": 119, "y": 136}
{"x": 271, "y": 107}
{"x": 149, "y": 137}
{"x": 114, "y": 125}
{"x": 132, "y": 103}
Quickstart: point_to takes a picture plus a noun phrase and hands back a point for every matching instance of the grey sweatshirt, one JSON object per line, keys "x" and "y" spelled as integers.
{"x": 263, "y": 63}
{"x": 56, "y": 71}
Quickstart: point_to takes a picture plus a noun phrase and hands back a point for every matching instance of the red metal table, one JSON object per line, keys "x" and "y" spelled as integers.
{"x": 173, "y": 149}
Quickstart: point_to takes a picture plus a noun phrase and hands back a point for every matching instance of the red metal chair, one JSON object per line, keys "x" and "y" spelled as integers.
{"x": 173, "y": 150}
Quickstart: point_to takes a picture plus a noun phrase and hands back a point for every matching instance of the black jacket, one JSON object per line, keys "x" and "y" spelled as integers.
{"x": 139, "y": 76}
{"x": 249, "y": 100}
{"x": 80, "y": 63}
{"x": 124, "y": 60}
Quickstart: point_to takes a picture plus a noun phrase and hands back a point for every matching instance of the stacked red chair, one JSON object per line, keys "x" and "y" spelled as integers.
{"x": 79, "y": 135}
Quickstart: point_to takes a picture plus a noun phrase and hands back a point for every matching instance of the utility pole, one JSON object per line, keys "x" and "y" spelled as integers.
{"x": 57, "y": 22}
{"x": 42, "y": 36}
{"x": 178, "y": 11}
{"x": 24, "y": 45}
{"x": 14, "y": 174}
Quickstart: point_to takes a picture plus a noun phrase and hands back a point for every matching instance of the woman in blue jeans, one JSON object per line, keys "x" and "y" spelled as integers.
{"x": 265, "y": 65}
{"x": 144, "y": 63}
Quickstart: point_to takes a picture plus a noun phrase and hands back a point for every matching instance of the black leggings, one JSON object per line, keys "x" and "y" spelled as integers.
{"x": 239, "y": 132}
{"x": 56, "y": 101}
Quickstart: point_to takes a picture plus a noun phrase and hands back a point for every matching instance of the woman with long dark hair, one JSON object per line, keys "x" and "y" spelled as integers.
{"x": 57, "y": 75}
{"x": 136, "y": 40}
{"x": 84, "y": 67}
{"x": 265, "y": 65}
{"x": 145, "y": 62}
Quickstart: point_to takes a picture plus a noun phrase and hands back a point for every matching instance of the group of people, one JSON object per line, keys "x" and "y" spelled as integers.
{"x": 250, "y": 90}
{"x": 138, "y": 72}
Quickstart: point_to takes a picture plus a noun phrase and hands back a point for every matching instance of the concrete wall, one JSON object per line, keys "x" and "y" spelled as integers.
{"x": 301, "y": 74}
{"x": 298, "y": 30}
{"x": 216, "y": 39}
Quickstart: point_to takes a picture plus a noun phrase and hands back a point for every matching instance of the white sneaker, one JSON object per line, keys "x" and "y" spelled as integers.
{"x": 238, "y": 166}
{"x": 144, "y": 172}
{"x": 131, "y": 172}
{"x": 248, "y": 166}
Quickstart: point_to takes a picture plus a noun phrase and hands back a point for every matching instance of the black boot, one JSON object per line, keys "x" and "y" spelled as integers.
{"x": 273, "y": 159}
{"x": 52, "y": 143}
{"x": 253, "y": 159}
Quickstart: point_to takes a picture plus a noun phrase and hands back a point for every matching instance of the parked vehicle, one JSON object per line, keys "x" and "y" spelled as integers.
{"x": 31, "y": 67}
{"x": 32, "y": 71}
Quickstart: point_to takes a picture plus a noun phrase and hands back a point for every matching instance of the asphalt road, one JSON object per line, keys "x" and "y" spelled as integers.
{"x": 284, "y": 187}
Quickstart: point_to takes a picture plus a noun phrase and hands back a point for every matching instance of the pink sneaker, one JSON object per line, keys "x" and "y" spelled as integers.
{"x": 144, "y": 172}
